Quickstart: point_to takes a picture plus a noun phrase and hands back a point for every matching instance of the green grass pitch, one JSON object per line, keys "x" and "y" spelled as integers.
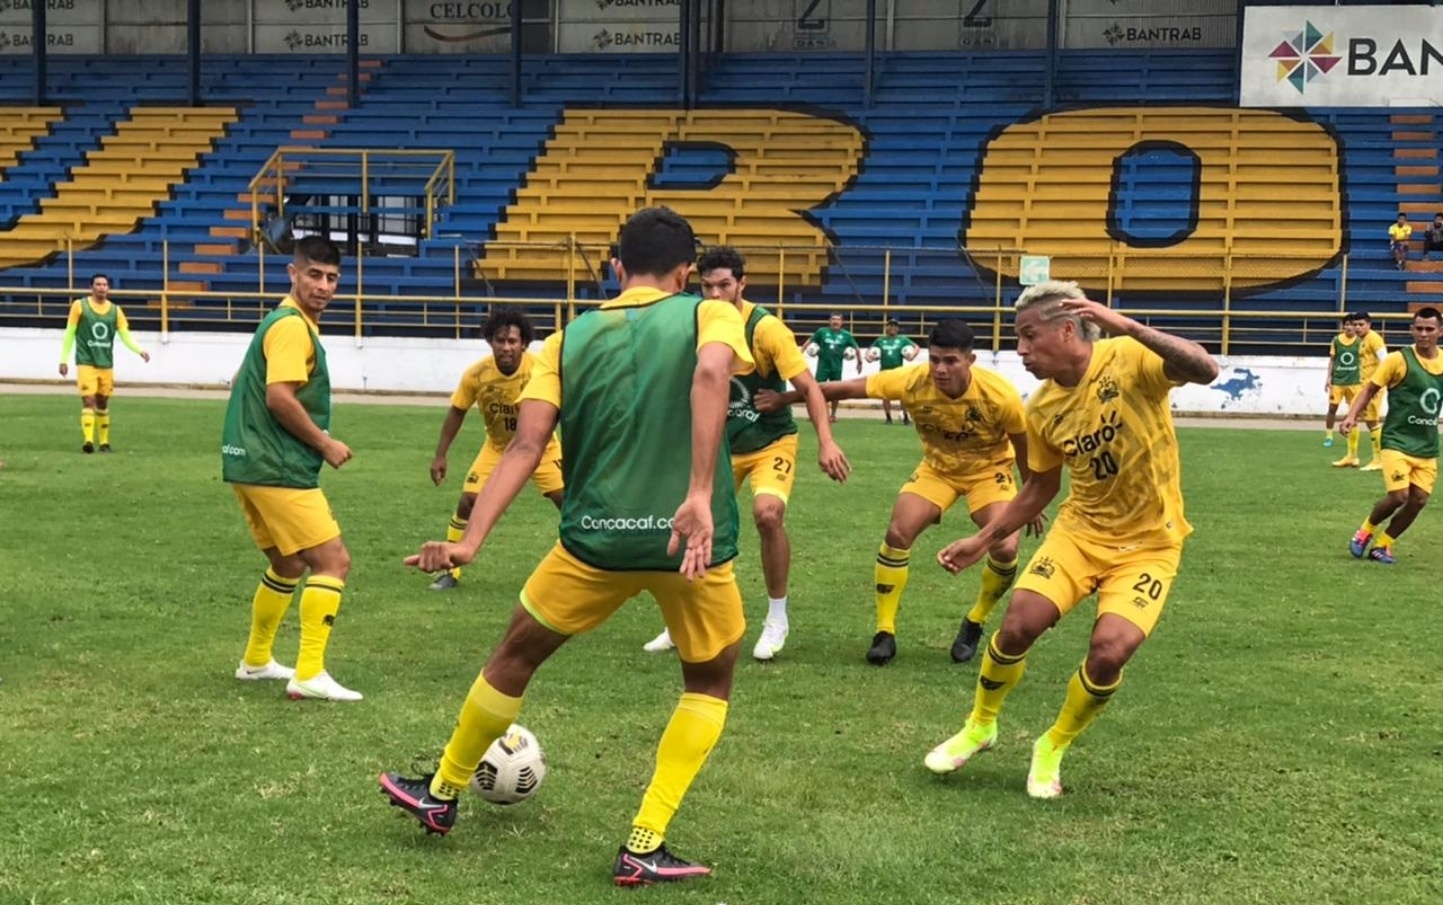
{"x": 1277, "y": 741}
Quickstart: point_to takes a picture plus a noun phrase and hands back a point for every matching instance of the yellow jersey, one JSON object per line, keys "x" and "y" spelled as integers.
{"x": 1369, "y": 353}
{"x": 774, "y": 346}
{"x": 1400, "y": 232}
{"x": 1114, "y": 432}
{"x": 963, "y": 435}
{"x": 290, "y": 352}
{"x": 495, "y": 395}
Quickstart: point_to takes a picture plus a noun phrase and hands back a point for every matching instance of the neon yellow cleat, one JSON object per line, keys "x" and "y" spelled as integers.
{"x": 1044, "y": 778}
{"x": 1374, "y": 465}
{"x": 954, "y": 753}
{"x": 1346, "y": 462}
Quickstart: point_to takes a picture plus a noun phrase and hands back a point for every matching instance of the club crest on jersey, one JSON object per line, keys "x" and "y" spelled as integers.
{"x": 1107, "y": 388}
{"x": 973, "y": 413}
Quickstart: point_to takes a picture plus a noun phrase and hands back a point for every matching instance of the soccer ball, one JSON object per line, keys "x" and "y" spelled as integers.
{"x": 909, "y": 353}
{"x": 874, "y": 354}
{"x": 513, "y": 768}
{"x": 812, "y": 350}
{"x": 849, "y": 353}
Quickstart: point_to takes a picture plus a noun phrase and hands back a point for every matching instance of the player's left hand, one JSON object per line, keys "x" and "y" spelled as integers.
{"x": 692, "y": 524}
{"x": 145, "y": 357}
{"x": 834, "y": 462}
{"x": 438, "y": 470}
{"x": 960, "y": 554}
{"x": 1037, "y": 526}
{"x": 436, "y": 555}
{"x": 768, "y": 401}
{"x": 1112, "y": 322}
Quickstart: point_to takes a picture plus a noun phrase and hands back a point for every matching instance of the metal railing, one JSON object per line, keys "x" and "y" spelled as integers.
{"x": 976, "y": 286}
{"x": 432, "y": 173}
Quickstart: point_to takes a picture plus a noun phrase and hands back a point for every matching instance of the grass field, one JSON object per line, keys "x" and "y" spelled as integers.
{"x": 1277, "y": 741}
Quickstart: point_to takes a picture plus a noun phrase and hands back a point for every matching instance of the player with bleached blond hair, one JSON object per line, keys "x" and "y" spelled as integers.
{"x": 1102, "y": 411}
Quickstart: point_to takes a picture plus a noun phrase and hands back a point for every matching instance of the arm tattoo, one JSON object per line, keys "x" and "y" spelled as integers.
{"x": 1182, "y": 359}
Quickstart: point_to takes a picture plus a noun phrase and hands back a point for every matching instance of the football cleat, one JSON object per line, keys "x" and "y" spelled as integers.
{"x": 437, "y": 815}
{"x": 105, "y": 447}
{"x": 660, "y": 866}
{"x": 445, "y": 582}
{"x": 1327, "y": 442}
{"x": 1383, "y": 555}
{"x": 1374, "y": 465}
{"x": 953, "y": 754}
{"x": 1044, "y": 777}
{"x": 964, "y": 648}
{"x": 884, "y": 648}
{"x": 773, "y": 639}
{"x": 660, "y": 643}
{"x": 320, "y": 687}
{"x": 1346, "y": 462}
{"x": 271, "y": 670}
{"x": 1359, "y": 544}
{"x": 87, "y": 447}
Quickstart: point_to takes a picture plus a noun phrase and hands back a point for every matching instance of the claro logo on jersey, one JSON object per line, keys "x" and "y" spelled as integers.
{"x": 740, "y": 403}
{"x": 1086, "y": 443}
{"x": 637, "y": 524}
{"x": 238, "y": 452}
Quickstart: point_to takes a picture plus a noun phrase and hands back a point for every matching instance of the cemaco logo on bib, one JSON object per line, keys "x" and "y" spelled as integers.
{"x": 621, "y": 523}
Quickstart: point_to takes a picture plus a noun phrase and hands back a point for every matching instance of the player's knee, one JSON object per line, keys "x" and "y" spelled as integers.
{"x": 1398, "y": 498}
{"x": 465, "y": 505}
{"x": 102, "y": 403}
{"x": 1107, "y": 655}
{"x": 1417, "y": 497}
{"x": 770, "y": 514}
{"x": 332, "y": 558}
{"x": 713, "y": 677}
{"x": 1005, "y": 550}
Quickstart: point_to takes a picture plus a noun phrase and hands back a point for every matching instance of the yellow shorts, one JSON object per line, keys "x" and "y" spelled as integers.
{"x": 772, "y": 468}
{"x": 982, "y": 487}
{"x": 1337, "y": 394}
{"x": 94, "y": 381}
{"x": 1133, "y": 584}
{"x": 704, "y": 617}
{"x": 1373, "y": 411}
{"x": 290, "y": 519}
{"x": 547, "y": 476}
{"x": 1401, "y": 470}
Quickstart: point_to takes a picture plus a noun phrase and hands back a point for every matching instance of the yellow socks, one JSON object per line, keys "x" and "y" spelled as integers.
{"x": 1377, "y": 442}
{"x": 485, "y": 717}
{"x": 1353, "y": 437}
{"x": 1328, "y": 433}
{"x": 102, "y": 425}
{"x": 454, "y": 531}
{"x": 87, "y": 425}
{"x": 1385, "y": 540}
{"x": 1368, "y": 527}
{"x": 320, "y": 601}
{"x": 891, "y": 576}
{"x": 996, "y": 579}
{"x": 693, "y": 730}
{"x": 268, "y": 607}
{"x": 1085, "y": 700}
{"x": 1000, "y": 674}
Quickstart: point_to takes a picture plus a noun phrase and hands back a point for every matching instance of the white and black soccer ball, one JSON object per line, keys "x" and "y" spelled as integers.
{"x": 849, "y": 353}
{"x": 910, "y": 352}
{"x": 512, "y": 770}
{"x": 874, "y": 354}
{"x": 812, "y": 349}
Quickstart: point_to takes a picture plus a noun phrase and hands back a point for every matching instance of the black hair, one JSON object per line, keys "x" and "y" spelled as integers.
{"x": 318, "y": 250}
{"x": 951, "y": 334}
{"x": 501, "y": 318}
{"x": 100, "y": 276}
{"x": 1429, "y": 312}
{"x": 655, "y": 241}
{"x": 722, "y": 256}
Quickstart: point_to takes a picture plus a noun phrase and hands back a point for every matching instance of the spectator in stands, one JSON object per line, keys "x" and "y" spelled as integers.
{"x": 1399, "y": 234}
{"x": 1433, "y": 237}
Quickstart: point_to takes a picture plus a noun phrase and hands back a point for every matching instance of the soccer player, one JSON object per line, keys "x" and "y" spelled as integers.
{"x": 972, "y": 430}
{"x": 1414, "y": 378}
{"x": 1370, "y": 352}
{"x": 1103, "y": 412}
{"x": 493, "y": 385}
{"x": 640, "y": 433}
{"x": 764, "y": 447}
{"x": 891, "y": 350}
{"x": 98, "y": 321}
{"x": 832, "y": 343}
{"x": 1342, "y": 384}
{"x": 273, "y": 444}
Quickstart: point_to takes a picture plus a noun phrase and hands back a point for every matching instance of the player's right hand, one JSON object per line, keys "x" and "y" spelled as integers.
{"x": 1346, "y": 427}
{"x": 64, "y": 369}
{"x": 438, "y": 470}
{"x": 437, "y": 555}
{"x": 960, "y": 554}
{"x": 336, "y": 453}
{"x": 692, "y": 524}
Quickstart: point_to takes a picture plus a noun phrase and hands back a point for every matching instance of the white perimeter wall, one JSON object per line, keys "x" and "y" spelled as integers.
{"x": 1246, "y": 386}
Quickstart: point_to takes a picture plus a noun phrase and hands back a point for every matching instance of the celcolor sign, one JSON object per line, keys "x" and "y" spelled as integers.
{"x": 1342, "y": 56}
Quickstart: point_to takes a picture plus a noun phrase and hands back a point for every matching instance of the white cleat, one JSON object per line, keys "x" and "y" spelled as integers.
{"x": 320, "y": 687}
{"x": 660, "y": 644}
{"x": 271, "y": 670}
{"x": 773, "y": 639}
